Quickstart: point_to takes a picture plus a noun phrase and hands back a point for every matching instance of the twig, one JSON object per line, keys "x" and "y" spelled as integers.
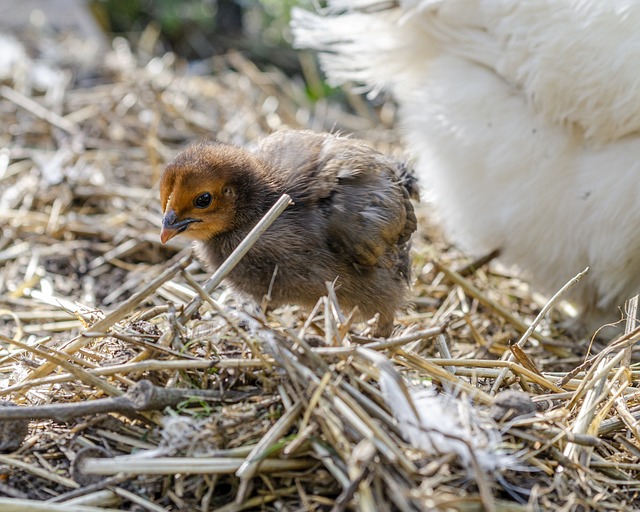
{"x": 229, "y": 264}
{"x": 476, "y": 293}
{"x": 550, "y": 303}
{"x": 57, "y": 359}
{"x": 38, "y": 110}
{"x": 251, "y": 464}
{"x": 470, "y": 268}
{"x": 132, "y": 465}
{"x": 148, "y": 365}
{"x": 220, "y": 311}
{"x": 416, "y": 361}
{"x": 531, "y": 329}
{"x": 598, "y": 369}
{"x": 593, "y": 397}
{"x": 125, "y": 308}
{"x": 144, "y": 396}
{"x": 16, "y": 462}
{"x": 443, "y": 349}
{"x": 14, "y": 505}
{"x": 375, "y": 344}
{"x": 632, "y": 312}
{"x": 359, "y": 469}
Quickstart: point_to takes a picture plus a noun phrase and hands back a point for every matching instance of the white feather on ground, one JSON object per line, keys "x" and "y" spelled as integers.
{"x": 524, "y": 118}
{"x": 438, "y": 424}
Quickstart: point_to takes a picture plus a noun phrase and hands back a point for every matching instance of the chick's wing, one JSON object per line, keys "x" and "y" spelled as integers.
{"x": 370, "y": 213}
{"x": 358, "y": 194}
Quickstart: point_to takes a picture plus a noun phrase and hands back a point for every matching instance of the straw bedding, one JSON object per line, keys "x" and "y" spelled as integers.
{"x": 131, "y": 381}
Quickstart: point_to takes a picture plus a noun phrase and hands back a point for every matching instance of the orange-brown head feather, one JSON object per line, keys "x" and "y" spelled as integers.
{"x": 203, "y": 190}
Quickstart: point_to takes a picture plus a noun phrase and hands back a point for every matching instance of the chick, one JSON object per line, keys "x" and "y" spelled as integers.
{"x": 351, "y": 220}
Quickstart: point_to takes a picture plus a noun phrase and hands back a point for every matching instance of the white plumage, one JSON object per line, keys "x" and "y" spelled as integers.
{"x": 441, "y": 424}
{"x": 524, "y": 117}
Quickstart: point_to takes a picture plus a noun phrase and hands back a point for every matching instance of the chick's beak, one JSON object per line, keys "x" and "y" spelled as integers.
{"x": 172, "y": 226}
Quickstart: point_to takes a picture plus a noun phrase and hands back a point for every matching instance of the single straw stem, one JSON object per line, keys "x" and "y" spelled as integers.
{"x": 229, "y": 264}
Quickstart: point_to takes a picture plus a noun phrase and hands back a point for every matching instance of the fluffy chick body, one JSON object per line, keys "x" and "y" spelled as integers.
{"x": 351, "y": 220}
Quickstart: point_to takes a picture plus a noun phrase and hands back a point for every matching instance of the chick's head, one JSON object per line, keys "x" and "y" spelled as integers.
{"x": 199, "y": 191}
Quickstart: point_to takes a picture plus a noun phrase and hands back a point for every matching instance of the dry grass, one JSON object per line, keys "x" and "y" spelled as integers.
{"x": 138, "y": 401}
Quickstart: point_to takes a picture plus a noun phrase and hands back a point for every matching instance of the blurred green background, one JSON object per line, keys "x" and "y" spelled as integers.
{"x": 199, "y": 29}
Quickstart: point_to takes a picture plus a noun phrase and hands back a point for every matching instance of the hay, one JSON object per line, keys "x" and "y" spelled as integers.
{"x": 131, "y": 398}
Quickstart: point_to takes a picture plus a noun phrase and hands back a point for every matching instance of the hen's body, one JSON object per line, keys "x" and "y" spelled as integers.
{"x": 350, "y": 222}
{"x": 524, "y": 117}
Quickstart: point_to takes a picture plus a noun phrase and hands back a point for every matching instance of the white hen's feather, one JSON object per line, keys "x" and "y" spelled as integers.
{"x": 525, "y": 121}
{"x": 439, "y": 424}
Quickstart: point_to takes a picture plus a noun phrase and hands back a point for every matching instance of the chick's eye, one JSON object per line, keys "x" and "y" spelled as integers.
{"x": 203, "y": 200}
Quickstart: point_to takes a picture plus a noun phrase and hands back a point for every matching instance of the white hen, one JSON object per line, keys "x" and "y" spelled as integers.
{"x": 524, "y": 117}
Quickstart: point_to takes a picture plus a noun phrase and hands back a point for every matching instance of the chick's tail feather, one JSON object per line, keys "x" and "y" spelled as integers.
{"x": 409, "y": 180}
